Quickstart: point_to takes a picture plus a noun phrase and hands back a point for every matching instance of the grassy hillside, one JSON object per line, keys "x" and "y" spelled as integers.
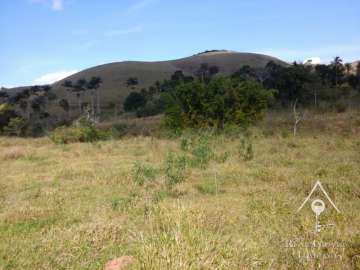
{"x": 115, "y": 75}
{"x": 114, "y": 89}
{"x": 79, "y": 206}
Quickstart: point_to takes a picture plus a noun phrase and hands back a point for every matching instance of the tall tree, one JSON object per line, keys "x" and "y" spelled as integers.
{"x": 94, "y": 85}
{"x": 205, "y": 72}
{"x": 79, "y": 88}
{"x": 338, "y": 69}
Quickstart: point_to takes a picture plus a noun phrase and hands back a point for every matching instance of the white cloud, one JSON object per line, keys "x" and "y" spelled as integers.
{"x": 121, "y": 32}
{"x": 140, "y": 4}
{"x": 56, "y": 5}
{"x": 6, "y": 86}
{"x": 327, "y": 53}
{"x": 51, "y": 78}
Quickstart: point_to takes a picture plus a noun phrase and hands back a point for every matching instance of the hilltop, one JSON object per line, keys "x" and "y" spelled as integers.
{"x": 114, "y": 88}
{"x": 115, "y": 75}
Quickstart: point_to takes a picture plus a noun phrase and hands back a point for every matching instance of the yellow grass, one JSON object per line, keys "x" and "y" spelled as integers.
{"x": 77, "y": 206}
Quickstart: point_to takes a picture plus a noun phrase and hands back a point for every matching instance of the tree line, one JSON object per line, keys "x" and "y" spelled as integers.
{"x": 213, "y": 100}
{"x": 205, "y": 98}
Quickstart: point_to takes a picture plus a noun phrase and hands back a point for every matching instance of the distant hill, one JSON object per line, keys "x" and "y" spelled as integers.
{"x": 115, "y": 75}
{"x": 114, "y": 88}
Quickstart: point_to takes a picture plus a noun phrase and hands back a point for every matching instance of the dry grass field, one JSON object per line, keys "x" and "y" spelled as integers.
{"x": 195, "y": 202}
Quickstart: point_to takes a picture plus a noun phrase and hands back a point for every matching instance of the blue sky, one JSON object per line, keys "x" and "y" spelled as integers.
{"x": 43, "y": 40}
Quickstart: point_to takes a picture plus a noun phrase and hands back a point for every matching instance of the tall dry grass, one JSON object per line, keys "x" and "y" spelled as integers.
{"x": 78, "y": 206}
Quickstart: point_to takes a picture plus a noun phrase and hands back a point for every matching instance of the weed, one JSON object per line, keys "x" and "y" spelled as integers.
{"x": 208, "y": 187}
{"x": 185, "y": 144}
{"x": 159, "y": 196}
{"x": 142, "y": 173}
{"x": 175, "y": 169}
{"x": 202, "y": 153}
{"x": 223, "y": 157}
{"x": 123, "y": 203}
{"x": 245, "y": 149}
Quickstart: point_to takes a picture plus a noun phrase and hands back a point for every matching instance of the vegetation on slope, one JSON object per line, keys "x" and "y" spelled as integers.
{"x": 206, "y": 201}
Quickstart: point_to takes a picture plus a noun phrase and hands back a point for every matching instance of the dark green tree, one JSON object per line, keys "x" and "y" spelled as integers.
{"x": 132, "y": 82}
{"x": 79, "y": 88}
{"x": 221, "y": 101}
{"x": 338, "y": 71}
{"x": 134, "y": 101}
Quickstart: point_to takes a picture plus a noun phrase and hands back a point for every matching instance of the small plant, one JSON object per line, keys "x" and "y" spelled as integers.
{"x": 202, "y": 153}
{"x": 142, "y": 173}
{"x": 159, "y": 196}
{"x": 185, "y": 144}
{"x": 208, "y": 187}
{"x": 175, "y": 168}
{"x": 123, "y": 203}
{"x": 246, "y": 149}
{"x": 223, "y": 157}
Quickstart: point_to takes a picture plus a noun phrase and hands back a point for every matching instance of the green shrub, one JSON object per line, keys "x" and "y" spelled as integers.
{"x": 159, "y": 196}
{"x": 185, "y": 143}
{"x": 152, "y": 107}
{"x": 223, "y": 157}
{"x": 142, "y": 173}
{"x": 202, "y": 153}
{"x": 220, "y": 102}
{"x": 175, "y": 169}
{"x": 16, "y": 127}
{"x": 173, "y": 118}
{"x": 134, "y": 101}
{"x": 246, "y": 149}
{"x": 7, "y": 113}
{"x": 83, "y": 132}
{"x": 208, "y": 187}
{"x": 123, "y": 203}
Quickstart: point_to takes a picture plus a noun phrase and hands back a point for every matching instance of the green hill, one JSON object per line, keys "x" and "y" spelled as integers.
{"x": 115, "y": 75}
{"x": 114, "y": 88}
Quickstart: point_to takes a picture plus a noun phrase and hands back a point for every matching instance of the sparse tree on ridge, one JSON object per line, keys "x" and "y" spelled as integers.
{"x": 337, "y": 64}
{"x": 93, "y": 85}
{"x": 206, "y": 72}
{"x": 79, "y": 88}
{"x": 132, "y": 82}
